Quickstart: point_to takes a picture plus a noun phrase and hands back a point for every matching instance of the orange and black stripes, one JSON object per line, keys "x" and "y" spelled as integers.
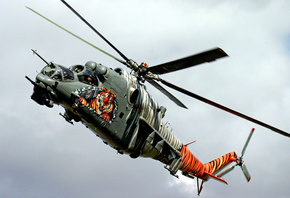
{"x": 217, "y": 164}
{"x": 192, "y": 165}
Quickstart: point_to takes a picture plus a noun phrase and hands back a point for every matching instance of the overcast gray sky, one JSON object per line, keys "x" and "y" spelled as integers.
{"x": 43, "y": 156}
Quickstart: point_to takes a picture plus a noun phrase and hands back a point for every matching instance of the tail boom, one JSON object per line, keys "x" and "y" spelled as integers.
{"x": 193, "y": 166}
{"x": 217, "y": 164}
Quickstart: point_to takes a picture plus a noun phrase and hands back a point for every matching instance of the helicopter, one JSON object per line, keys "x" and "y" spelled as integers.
{"x": 116, "y": 106}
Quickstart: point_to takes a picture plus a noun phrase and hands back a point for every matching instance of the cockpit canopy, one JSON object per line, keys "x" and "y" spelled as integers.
{"x": 57, "y": 72}
{"x": 60, "y": 73}
{"x": 85, "y": 74}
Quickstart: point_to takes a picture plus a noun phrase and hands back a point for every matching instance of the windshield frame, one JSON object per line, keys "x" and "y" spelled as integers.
{"x": 58, "y": 72}
{"x": 67, "y": 73}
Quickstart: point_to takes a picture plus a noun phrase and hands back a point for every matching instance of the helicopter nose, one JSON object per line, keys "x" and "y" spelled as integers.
{"x": 47, "y": 83}
{"x": 45, "y": 80}
{"x": 42, "y": 97}
{"x": 43, "y": 90}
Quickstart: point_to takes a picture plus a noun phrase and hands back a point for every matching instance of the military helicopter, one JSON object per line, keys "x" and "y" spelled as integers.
{"x": 116, "y": 107}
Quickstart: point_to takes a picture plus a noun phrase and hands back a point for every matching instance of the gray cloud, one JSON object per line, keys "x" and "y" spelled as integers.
{"x": 43, "y": 156}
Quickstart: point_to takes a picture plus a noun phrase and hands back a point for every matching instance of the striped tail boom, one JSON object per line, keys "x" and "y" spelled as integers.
{"x": 217, "y": 164}
{"x": 193, "y": 166}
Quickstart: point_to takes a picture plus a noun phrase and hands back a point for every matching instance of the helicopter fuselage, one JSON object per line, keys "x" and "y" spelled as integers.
{"x": 113, "y": 104}
{"x": 117, "y": 108}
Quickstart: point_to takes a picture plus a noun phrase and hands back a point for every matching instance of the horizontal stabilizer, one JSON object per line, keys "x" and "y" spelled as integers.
{"x": 217, "y": 178}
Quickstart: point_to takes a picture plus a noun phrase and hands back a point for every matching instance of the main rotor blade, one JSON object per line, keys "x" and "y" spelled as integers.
{"x": 98, "y": 33}
{"x": 186, "y": 62}
{"x": 193, "y": 95}
{"x": 167, "y": 93}
{"x": 119, "y": 60}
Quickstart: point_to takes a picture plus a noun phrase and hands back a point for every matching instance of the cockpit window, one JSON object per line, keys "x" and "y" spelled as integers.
{"x": 52, "y": 72}
{"x": 56, "y": 75}
{"x": 67, "y": 74}
{"x": 77, "y": 68}
{"x": 48, "y": 70}
{"x": 85, "y": 74}
{"x": 56, "y": 72}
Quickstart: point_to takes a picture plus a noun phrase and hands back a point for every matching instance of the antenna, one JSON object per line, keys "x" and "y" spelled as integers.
{"x": 34, "y": 52}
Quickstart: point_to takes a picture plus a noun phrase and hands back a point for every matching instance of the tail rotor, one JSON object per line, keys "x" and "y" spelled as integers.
{"x": 226, "y": 171}
{"x": 247, "y": 142}
{"x": 240, "y": 161}
{"x": 246, "y": 172}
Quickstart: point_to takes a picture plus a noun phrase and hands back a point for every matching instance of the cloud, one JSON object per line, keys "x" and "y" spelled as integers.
{"x": 43, "y": 156}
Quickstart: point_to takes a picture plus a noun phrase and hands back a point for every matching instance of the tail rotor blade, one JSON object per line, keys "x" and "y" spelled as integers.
{"x": 247, "y": 142}
{"x": 246, "y": 172}
{"x": 226, "y": 171}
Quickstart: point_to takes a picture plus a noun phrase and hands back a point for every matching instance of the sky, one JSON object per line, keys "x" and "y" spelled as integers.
{"x": 44, "y": 156}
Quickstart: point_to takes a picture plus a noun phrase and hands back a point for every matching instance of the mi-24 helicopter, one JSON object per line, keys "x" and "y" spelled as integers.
{"x": 115, "y": 105}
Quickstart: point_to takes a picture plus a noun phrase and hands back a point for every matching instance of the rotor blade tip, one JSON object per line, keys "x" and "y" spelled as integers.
{"x": 222, "y": 51}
